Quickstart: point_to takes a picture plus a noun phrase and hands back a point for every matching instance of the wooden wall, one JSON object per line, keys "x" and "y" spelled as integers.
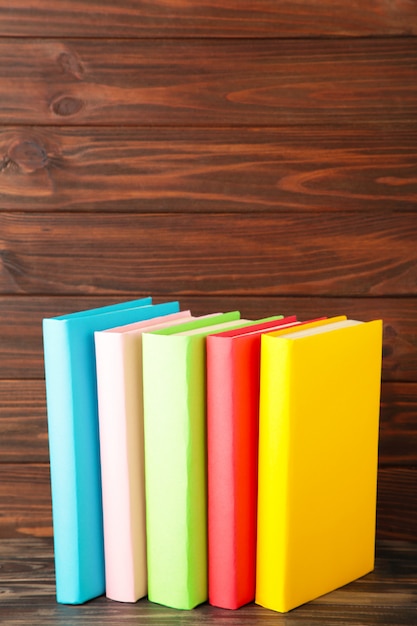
{"x": 258, "y": 155}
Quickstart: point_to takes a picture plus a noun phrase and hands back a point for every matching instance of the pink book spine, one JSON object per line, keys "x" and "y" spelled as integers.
{"x": 122, "y": 547}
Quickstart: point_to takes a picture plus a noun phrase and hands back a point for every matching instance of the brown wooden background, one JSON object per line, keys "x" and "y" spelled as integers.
{"x": 258, "y": 155}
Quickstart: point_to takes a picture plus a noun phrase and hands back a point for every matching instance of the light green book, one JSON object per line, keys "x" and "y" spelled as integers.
{"x": 174, "y": 391}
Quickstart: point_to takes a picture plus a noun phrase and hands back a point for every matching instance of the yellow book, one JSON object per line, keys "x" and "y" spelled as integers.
{"x": 318, "y": 453}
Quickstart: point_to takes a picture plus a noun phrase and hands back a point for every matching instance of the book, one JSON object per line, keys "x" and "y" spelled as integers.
{"x": 174, "y": 388}
{"x": 71, "y": 398}
{"x": 233, "y": 365}
{"x": 318, "y": 452}
{"x": 120, "y": 412}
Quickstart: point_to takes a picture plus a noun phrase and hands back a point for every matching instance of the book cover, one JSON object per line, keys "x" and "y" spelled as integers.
{"x": 71, "y": 396}
{"x": 318, "y": 453}
{"x": 174, "y": 379}
{"x": 233, "y": 364}
{"x": 120, "y": 411}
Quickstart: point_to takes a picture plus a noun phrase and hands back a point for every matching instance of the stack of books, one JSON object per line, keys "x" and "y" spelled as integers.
{"x": 211, "y": 458}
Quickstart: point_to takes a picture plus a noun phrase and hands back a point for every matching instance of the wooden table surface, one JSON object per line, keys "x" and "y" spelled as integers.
{"x": 27, "y": 596}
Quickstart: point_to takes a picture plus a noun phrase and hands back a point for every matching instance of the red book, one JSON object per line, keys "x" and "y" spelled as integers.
{"x": 233, "y": 365}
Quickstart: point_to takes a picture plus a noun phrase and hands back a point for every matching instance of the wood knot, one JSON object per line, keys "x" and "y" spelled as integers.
{"x": 28, "y": 155}
{"x": 389, "y": 332}
{"x": 66, "y": 106}
{"x": 70, "y": 64}
{"x": 387, "y": 351}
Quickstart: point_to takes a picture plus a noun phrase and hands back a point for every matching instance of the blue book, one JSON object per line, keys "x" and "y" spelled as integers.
{"x": 72, "y": 409}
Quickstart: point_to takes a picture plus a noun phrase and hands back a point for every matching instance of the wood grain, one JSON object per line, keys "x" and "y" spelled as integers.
{"x": 200, "y": 83}
{"x": 21, "y": 350}
{"x": 385, "y": 596}
{"x": 398, "y": 424}
{"x": 349, "y": 254}
{"x": 23, "y": 423}
{"x": 25, "y": 505}
{"x": 397, "y": 503}
{"x": 25, "y": 500}
{"x": 213, "y": 18}
{"x": 197, "y": 170}
{"x": 24, "y": 438}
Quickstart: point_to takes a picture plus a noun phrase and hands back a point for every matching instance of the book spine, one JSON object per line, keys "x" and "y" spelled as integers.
{"x": 175, "y": 472}
{"x": 121, "y": 453}
{"x": 246, "y": 430}
{"x": 221, "y": 473}
{"x": 69, "y": 549}
{"x": 273, "y": 472}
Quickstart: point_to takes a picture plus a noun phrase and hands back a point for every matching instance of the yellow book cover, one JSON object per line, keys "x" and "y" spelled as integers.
{"x": 318, "y": 456}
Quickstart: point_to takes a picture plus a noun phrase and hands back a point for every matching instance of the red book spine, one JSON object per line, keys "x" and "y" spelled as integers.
{"x": 232, "y": 420}
{"x": 220, "y": 446}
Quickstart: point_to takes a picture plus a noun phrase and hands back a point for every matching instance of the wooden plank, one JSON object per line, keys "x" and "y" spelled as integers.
{"x": 23, "y": 423}
{"x": 25, "y": 500}
{"x": 28, "y": 559}
{"x": 202, "y": 83}
{"x": 397, "y": 503}
{"x": 24, "y": 438}
{"x": 35, "y": 548}
{"x": 158, "y": 170}
{"x": 25, "y": 507}
{"x": 256, "y": 254}
{"x": 21, "y": 350}
{"x": 213, "y": 18}
{"x": 385, "y": 596}
{"x": 35, "y": 605}
{"x": 398, "y": 425}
